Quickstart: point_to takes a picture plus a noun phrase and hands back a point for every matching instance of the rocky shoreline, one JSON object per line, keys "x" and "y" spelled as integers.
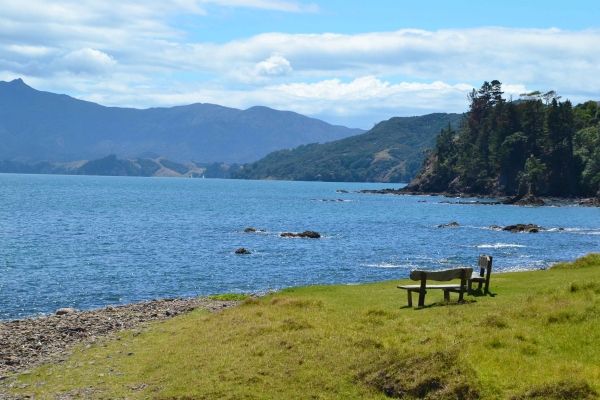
{"x": 497, "y": 200}
{"x": 31, "y": 342}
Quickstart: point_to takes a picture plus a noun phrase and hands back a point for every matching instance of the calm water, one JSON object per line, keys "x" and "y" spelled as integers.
{"x": 87, "y": 242}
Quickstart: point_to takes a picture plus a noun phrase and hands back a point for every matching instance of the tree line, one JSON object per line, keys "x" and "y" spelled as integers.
{"x": 536, "y": 145}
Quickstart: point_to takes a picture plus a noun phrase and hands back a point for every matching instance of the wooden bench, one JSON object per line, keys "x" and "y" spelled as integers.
{"x": 462, "y": 273}
{"x": 485, "y": 269}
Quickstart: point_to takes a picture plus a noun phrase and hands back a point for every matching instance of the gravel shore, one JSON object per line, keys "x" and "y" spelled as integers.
{"x": 28, "y": 343}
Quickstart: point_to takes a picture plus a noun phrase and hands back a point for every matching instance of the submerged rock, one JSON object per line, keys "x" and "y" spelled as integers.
{"x": 242, "y": 250}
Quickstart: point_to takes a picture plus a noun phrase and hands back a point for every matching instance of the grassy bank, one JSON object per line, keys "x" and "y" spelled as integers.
{"x": 536, "y": 336}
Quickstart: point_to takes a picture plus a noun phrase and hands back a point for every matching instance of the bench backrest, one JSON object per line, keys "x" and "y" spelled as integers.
{"x": 444, "y": 275}
{"x": 485, "y": 262}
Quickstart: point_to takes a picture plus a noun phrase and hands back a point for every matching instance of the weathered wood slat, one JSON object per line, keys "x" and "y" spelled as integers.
{"x": 444, "y": 275}
{"x": 418, "y": 287}
{"x": 485, "y": 262}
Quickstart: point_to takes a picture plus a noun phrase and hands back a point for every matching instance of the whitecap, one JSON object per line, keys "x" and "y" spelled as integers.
{"x": 388, "y": 265}
{"x": 497, "y": 246}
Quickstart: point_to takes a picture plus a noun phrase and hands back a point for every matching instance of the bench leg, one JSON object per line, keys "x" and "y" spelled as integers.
{"x": 422, "y": 298}
{"x": 446, "y": 296}
{"x": 470, "y": 286}
{"x": 409, "y": 297}
{"x": 461, "y": 296}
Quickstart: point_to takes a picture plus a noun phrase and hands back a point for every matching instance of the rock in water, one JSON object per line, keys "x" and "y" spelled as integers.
{"x": 305, "y": 234}
{"x": 309, "y": 234}
{"x": 451, "y": 224}
{"x": 249, "y": 230}
{"x": 65, "y": 310}
{"x": 242, "y": 250}
{"x": 528, "y": 228}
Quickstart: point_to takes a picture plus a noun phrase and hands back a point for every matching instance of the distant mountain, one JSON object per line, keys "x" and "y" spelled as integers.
{"x": 390, "y": 152}
{"x": 113, "y": 166}
{"x": 38, "y": 126}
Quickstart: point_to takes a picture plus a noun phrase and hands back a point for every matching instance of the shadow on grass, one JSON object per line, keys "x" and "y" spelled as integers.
{"x": 480, "y": 293}
{"x": 441, "y": 304}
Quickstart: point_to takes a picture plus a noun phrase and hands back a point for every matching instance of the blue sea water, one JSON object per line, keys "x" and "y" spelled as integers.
{"x": 87, "y": 242}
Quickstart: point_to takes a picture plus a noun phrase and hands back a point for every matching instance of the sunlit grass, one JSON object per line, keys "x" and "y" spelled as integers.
{"x": 538, "y": 333}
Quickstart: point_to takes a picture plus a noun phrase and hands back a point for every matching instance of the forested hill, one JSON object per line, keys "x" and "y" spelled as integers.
{"x": 390, "y": 152}
{"x": 538, "y": 146}
{"x": 41, "y": 126}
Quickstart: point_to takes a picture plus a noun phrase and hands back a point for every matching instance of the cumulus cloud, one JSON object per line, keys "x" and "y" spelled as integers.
{"x": 85, "y": 61}
{"x": 273, "y": 66}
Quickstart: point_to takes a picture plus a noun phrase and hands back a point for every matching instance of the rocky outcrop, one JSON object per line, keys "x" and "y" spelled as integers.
{"x": 527, "y": 228}
{"x": 242, "y": 250}
{"x": 529, "y": 200}
{"x": 305, "y": 234}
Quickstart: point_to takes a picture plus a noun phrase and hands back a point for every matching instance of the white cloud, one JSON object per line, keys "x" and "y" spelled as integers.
{"x": 85, "y": 61}
{"x": 273, "y": 66}
{"x": 277, "y": 5}
{"x": 126, "y": 53}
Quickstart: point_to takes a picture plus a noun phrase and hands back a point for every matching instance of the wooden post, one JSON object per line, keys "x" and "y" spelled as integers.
{"x": 488, "y": 273}
{"x": 463, "y": 281}
{"x": 422, "y": 291}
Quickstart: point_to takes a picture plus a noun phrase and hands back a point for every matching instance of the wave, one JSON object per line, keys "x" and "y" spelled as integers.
{"x": 497, "y": 246}
{"x": 388, "y": 265}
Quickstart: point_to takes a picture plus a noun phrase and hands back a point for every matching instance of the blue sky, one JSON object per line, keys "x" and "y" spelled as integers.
{"x": 347, "y": 62}
{"x": 353, "y": 17}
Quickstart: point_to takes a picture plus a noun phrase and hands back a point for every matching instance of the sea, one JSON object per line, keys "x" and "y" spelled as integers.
{"x": 87, "y": 241}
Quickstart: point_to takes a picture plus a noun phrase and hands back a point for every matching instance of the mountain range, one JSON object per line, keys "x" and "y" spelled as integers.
{"x": 40, "y": 126}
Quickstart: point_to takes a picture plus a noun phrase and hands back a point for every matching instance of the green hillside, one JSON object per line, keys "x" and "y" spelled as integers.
{"x": 390, "y": 152}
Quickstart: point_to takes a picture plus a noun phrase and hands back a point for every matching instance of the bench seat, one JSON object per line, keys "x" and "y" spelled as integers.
{"x": 462, "y": 273}
{"x": 416, "y": 288}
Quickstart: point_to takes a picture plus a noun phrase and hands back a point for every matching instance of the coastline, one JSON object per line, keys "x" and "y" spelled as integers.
{"x": 30, "y": 342}
{"x": 496, "y": 200}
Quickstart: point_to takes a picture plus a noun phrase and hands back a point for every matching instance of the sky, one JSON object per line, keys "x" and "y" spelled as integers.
{"x": 351, "y": 63}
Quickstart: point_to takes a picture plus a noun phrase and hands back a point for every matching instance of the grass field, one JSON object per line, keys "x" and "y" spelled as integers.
{"x": 537, "y": 336}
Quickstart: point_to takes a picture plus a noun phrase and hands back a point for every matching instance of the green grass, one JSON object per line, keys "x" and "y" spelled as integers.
{"x": 229, "y": 297}
{"x": 535, "y": 337}
{"x": 591, "y": 260}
